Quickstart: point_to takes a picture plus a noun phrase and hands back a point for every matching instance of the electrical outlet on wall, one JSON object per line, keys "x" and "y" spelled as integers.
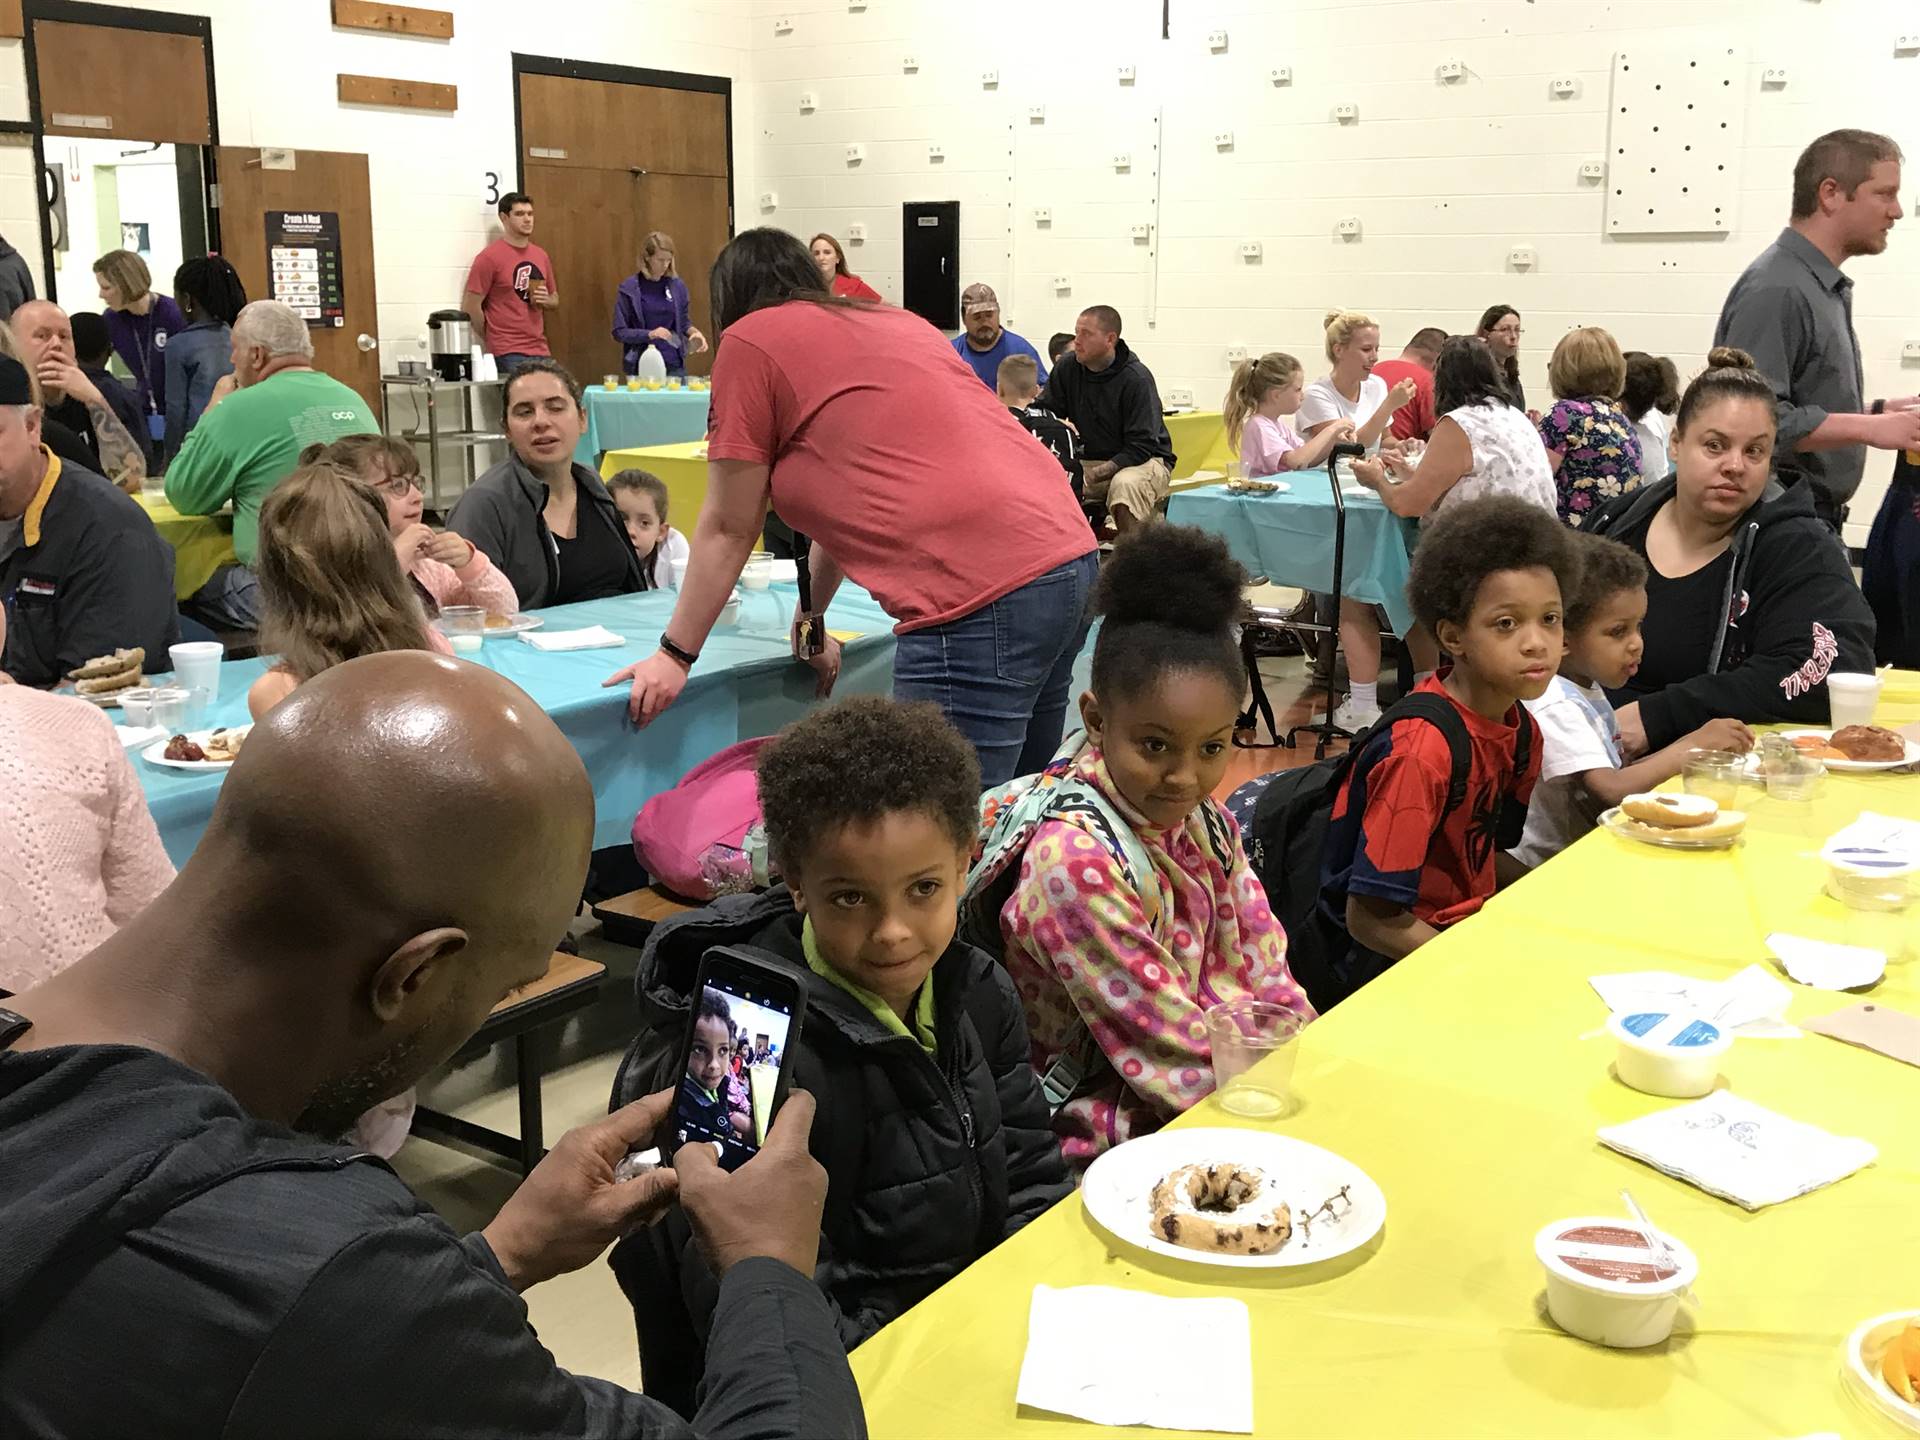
{"x": 1281, "y": 74}
{"x": 783, "y": 25}
{"x": 1042, "y": 215}
{"x": 1593, "y": 170}
{"x": 1122, "y": 160}
{"x": 1346, "y": 114}
{"x": 1179, "y": 397}
{"x": 1522, "y": 257}
{"x": 1037, "y": 114}
{"x": 1126, "y": 74}
{"x": 1452, "y": 70}
{"x": 1565, "y": 87}
{"x": 855, "y": 154}
{"x": 1348, "y": 228}
{"x": 809, "y": 102}
{"x": 769, "y": 200}
{"x": 856, "y": 4}
{"x": 1223, "y": 139}
{"x": 1774, "y": 75}
{"x": 856, "y": 234}
{"x": 1236, "y": 354}
{"x": 1910, "y": 353}
{"x": 909, "y": 62}
{"x": 1141, "y": 233}
{"x": 1907, "y": 44}
{"x": 1250, "y": 250}
{"x": 936, "y": 152}
{"x": 1062, "y": 283}
{"x": 1217, "y": 41}
{"x": 989, "y": 79}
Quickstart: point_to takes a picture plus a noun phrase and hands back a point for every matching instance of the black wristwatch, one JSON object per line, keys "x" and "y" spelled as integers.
{"x": 685, "y": 657}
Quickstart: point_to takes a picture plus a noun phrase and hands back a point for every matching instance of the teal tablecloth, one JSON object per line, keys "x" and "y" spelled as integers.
{"x": 746, "y": 684}
{"x": 627, "y": 419}
{"x": 1288, "y": 537}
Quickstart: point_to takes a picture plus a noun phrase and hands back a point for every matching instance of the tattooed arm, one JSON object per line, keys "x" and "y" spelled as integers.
{"x": 121, "y": 458}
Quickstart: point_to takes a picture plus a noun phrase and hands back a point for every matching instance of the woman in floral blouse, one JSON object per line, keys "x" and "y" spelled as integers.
{"x": 1590, "y": 441}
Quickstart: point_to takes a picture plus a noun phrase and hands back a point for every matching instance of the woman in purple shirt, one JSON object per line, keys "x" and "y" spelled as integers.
{"x": 653, "y": 308}
{"x": 139, "y": 323}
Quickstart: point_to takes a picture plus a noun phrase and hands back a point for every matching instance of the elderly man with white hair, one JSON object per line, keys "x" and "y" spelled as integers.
{"x": 271, "y": 407}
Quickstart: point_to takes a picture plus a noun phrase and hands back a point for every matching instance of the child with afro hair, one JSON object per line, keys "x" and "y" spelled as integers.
{"x": 930, "y": 1121}
{"x": 1489, "y": 580}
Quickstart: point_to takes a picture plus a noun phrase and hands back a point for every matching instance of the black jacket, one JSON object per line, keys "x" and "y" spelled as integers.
{"x": 97, "y": 578}
{"x": 16, "y": 280}
{"x": 503, "y": 513}
{"x": 929, "y": 1164}
{"x": 1117, "y": 410}
{"x": 174, "y": 1267}
{"x": 1054, "y": 433}
{"x": 1793, "y": 614}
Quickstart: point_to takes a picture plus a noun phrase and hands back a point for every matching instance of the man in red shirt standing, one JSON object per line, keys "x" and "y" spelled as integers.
{"x": 1415, "y": 421}
{"x": 510, "y": 285}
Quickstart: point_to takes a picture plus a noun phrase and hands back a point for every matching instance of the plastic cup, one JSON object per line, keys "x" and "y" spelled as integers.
{"x": 1716, "y": 774}
{"x": 196, "y": 665}
{"x": 170, "y": 709}
{"x": 1793, "y": 777}
{"x": 1253, "y": 1056}
{"x": 677, "y": 570}
{"x": 1852, "y": 699}
{"x": 757, "y": 574}
{"x": 612, "y": 382}
{"x": 137, "y": 708}
{"x": 463, "y": 619}
{"x": 466, "y": 643}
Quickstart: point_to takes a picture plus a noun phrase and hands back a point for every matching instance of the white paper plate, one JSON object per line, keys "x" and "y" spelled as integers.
{"x": 1119, "y": 1186}
{"x": 108, "y": 701}
{"x": 518, "y": 624}
{"x": 155, "y": 754}
{"x": 1860, "y": 767}
{"x": 1620, "y": 824}
{"x": 1860, "y": 1365}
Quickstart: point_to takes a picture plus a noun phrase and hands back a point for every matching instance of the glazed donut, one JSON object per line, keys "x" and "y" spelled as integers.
{"x": 1230, "y": 1209}
{"x": 1673, "y": 812}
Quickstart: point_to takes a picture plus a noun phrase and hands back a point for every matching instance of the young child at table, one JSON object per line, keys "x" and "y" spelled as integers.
{"x": 1582, "y": 772}
{"x": 1262, "y": 391}
{"x": 930, "y": 1122}
{"x": 1115, "y": 885}
{"x": 1488, "y": 580}
{"x": 444, "y": 567}
{"x": 1017, "y": 383}
{"x": 331, "y": 588}
{"x": 641, "y": 498}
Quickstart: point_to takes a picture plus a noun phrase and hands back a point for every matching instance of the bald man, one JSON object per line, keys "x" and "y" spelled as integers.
{"x": 188, "y": 1253}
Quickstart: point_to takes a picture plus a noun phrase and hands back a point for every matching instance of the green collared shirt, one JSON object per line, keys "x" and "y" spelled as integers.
{"x": 922, "y": 1030}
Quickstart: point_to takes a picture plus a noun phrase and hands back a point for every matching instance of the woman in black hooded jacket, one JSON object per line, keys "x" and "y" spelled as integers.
{"x": 1750, "y": 600}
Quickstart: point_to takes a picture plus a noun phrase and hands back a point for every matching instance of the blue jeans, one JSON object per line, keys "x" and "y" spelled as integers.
{"x": 1001, "y": 674}
{"x": 507, "y": 364}
{"x": 230, "y": 600}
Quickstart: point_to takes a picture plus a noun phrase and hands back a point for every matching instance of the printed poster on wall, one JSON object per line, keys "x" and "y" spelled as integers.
{"x": 303, "y": 264}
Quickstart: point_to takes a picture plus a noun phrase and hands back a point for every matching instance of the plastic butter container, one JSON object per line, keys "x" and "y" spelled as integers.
{"x": 1677, "y": 1055}
{"x": 1871, "y": 877}
{"x": 1605, "y": 1284}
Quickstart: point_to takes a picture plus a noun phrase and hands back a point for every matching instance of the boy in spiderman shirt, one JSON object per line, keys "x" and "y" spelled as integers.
{"x": 1401, "y": 866}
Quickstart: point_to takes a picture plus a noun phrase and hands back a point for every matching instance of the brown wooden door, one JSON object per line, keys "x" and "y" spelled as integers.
{"x": 319, "y": 180}
{"x": 102, "y": 81}
{"x": 605, "y": 164}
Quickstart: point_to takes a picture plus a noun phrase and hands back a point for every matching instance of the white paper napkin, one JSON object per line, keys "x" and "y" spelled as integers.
{"x": 593, "y": 637}
{"x": 1825, "y": 966}
{"x": 134, "y": 736}
{"x": 1738, "y": 1150}
{"x": 1754, "y": 1002}
{"x": 1072, "y": 1367}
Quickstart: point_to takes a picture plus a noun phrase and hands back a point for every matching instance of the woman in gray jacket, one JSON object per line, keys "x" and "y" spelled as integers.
{"x": 544, "y": 520}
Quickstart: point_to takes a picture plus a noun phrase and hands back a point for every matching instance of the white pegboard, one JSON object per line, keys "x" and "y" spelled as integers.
{"x": 1676, "y": 124}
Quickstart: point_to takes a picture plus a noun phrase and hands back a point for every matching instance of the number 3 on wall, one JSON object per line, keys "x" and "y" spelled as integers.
{"x": 493, "y": 188}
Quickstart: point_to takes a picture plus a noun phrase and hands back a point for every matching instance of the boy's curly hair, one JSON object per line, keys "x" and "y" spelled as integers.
{"x": 1606, "y": 568}
{"x": 1474, "y": 539}
{"x": 858, "y": 760}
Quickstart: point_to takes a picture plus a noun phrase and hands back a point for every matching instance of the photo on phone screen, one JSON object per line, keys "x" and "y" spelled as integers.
{"x": 739, "y": 1036}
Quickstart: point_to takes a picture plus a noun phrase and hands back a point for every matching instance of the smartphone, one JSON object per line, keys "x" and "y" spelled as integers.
{"x": 742, "y": 1031}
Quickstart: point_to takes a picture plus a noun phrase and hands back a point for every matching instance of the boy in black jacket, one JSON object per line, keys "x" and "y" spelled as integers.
{"x": 1017, "y": 383}
{"x": 931, "y": 1124}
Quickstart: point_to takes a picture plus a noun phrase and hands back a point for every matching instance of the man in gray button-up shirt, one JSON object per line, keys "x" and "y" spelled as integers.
{"x": 1792, "y": 310}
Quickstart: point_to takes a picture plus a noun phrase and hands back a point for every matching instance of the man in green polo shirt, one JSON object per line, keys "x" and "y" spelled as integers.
{"x": 249, "y": 439}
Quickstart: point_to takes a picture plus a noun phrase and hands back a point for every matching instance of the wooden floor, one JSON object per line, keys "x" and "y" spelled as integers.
{"x": 1294, "y": 703}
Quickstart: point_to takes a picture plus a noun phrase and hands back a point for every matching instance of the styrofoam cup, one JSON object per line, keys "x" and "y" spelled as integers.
{"x": 196, "y": 665}
{"x": 1852, "y": 699}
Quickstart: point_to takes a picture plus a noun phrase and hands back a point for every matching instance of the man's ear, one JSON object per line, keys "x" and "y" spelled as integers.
{"x": 416, "y": 971}
{"x": 1091, "y": 719}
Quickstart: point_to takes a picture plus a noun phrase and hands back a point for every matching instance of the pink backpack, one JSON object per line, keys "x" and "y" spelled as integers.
{"x": 702, "y": 838}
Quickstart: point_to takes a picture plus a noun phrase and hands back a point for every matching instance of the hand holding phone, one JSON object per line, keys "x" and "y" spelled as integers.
{"x": 771, "y": 1206}
{"x": 743, "y": 1026}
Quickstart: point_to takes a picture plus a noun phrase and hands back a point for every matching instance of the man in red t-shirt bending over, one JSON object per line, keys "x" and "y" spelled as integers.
{"x": 509, "y": 289}
{"x": 1415, "y": 421}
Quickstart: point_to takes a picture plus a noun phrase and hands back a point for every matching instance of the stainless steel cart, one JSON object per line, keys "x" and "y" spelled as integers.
{"x": 457, "y": 426}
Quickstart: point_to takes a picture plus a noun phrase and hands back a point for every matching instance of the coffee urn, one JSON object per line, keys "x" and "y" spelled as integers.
{"x": 451, "y": 343}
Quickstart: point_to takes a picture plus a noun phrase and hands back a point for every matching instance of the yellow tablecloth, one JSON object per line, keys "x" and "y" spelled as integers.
{"x": 1199, "y": 442}
{"x": 1460, "y": 1083}
{"x": 201, "y": 543}
{"x": 684, "y": 472}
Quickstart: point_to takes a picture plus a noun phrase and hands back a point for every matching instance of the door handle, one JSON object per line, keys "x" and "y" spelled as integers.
{"x": 366, "y": 343}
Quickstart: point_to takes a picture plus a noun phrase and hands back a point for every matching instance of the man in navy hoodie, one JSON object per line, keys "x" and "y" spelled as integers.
{"x": 1112, "y": 401}
{"x": 187, "y": 1253}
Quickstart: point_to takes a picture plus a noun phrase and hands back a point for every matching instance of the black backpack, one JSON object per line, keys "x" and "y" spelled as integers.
{"x": 1288, "y": 839}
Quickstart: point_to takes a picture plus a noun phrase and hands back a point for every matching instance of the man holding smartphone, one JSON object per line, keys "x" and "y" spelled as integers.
{"x": 167, "y": 1105}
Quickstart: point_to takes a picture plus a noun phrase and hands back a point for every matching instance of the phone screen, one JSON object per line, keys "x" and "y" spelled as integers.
{"x": 740, "y": 1030}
